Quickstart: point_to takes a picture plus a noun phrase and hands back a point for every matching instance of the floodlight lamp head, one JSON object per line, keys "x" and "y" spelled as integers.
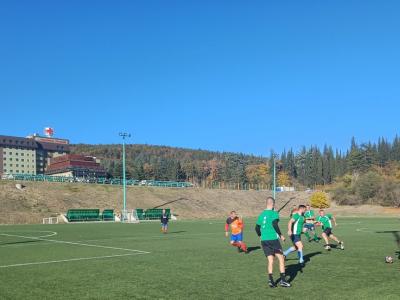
{"x": 124, "y": 135}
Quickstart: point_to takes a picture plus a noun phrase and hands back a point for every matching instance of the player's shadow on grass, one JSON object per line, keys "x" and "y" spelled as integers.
{"x": 177, "y": 232}
{"x": 251, "y": 249}
{"x": 20, "y": 242}
{"x": 293, "y": 270}
{"x": 396, "y": 235}
{"x": 334, "y": 246}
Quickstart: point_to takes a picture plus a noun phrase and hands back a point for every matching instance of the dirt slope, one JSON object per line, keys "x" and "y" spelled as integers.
{"x": 42, "y": 199}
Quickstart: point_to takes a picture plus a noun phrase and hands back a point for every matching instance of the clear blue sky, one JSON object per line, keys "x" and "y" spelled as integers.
{"x": 220, "y": 75}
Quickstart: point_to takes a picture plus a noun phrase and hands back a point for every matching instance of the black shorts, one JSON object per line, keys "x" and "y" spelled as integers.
{"x": 271, "y": 247}
{"x": 328, "y": 231}
{"x": 295, "y": 238}
{"x": 309, "y": 226}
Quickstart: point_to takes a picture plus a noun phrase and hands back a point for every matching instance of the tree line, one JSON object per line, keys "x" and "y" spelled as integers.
{"x": 308, "y": 167}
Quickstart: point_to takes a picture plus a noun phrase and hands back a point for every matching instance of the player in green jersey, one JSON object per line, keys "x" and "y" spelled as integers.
{"x": 268, "y": 230}
{"x": 295, "y": 228}
{"x": 309, "y": 215}
{"x": 326, "y": 221}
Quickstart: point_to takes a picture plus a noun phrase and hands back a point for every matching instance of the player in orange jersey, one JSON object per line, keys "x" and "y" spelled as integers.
{"x": 236, "y": 225}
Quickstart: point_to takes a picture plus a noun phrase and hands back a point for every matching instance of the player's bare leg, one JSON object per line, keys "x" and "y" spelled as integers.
{"x": 325, "y": 237}
{"x": 334, "y": 238}
{"x": 281, "y": 259}
{"x": 270, "y": 267}
{"x": 270, "y": 264}
{"x": 340, "y": 243}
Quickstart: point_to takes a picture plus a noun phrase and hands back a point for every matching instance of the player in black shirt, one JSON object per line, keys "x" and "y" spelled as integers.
{"x": 164, "y": 221}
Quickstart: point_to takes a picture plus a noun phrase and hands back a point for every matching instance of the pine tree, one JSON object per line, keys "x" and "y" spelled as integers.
{"x": 395, "y": 153}
{"x": 383, "y": 152}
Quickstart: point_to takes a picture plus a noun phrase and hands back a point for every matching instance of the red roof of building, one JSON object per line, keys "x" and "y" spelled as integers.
{"x": 70, "y": 161}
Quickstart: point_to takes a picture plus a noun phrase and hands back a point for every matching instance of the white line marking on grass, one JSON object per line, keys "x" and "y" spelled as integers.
{"x": 140, "y": 237}
{"x": 52, "y": 233}
{"x": 349, "y": 223}
{"x": 160, "y": 237}
{"x": 363, "y": 230}
{"x": 69, "y": 260}
{"x": 75, "y": 243}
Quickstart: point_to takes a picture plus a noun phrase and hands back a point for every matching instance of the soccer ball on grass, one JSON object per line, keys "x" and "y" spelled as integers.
{"x": 389, "y": 259}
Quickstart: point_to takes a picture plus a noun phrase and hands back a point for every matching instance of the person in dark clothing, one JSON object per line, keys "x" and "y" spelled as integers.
{"x": 164, "y": 221}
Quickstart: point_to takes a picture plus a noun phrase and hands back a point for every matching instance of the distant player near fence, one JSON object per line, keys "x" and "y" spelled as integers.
{"x": 164, "y": 222}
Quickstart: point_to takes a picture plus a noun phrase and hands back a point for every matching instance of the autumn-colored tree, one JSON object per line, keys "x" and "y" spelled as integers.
{"x": 283, "y": 179}
{"x": 320, "y": 200}
{"x": 258, "y": 174}
{"x": 214, "y": 169}
{"x": 148, "y": 171}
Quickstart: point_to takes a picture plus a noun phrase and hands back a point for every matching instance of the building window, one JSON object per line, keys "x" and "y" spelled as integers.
{"x": 16, "y": 153}
{"x": 10, "y": 158}
{"x": 22, "y": 154}
{"x": 10, "y": 153}
{"x": 22, "y": 159}
{"x": 5, "y": 165}
{"x": 17, "y": 159}
{"x": 10, "y": 165}
{"x": 22, "y": 166}
{"x": 17, "y": 165}
{"x": 5, "y": 170}
{"x": 4, "y": 153}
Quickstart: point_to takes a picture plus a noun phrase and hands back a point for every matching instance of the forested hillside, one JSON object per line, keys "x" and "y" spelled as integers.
{"x": 308, "y": 167}
{"x": 168, "y": 163}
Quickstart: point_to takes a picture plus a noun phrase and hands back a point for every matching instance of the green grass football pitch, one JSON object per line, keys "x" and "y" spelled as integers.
{"x": 195, "y": 260}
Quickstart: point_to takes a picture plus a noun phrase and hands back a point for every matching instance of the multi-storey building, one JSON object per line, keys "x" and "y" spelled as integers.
{"x": 29, "y": 155}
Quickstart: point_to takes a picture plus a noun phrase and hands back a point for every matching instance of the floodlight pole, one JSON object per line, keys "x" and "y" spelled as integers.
{"x": 124, "y": 135}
